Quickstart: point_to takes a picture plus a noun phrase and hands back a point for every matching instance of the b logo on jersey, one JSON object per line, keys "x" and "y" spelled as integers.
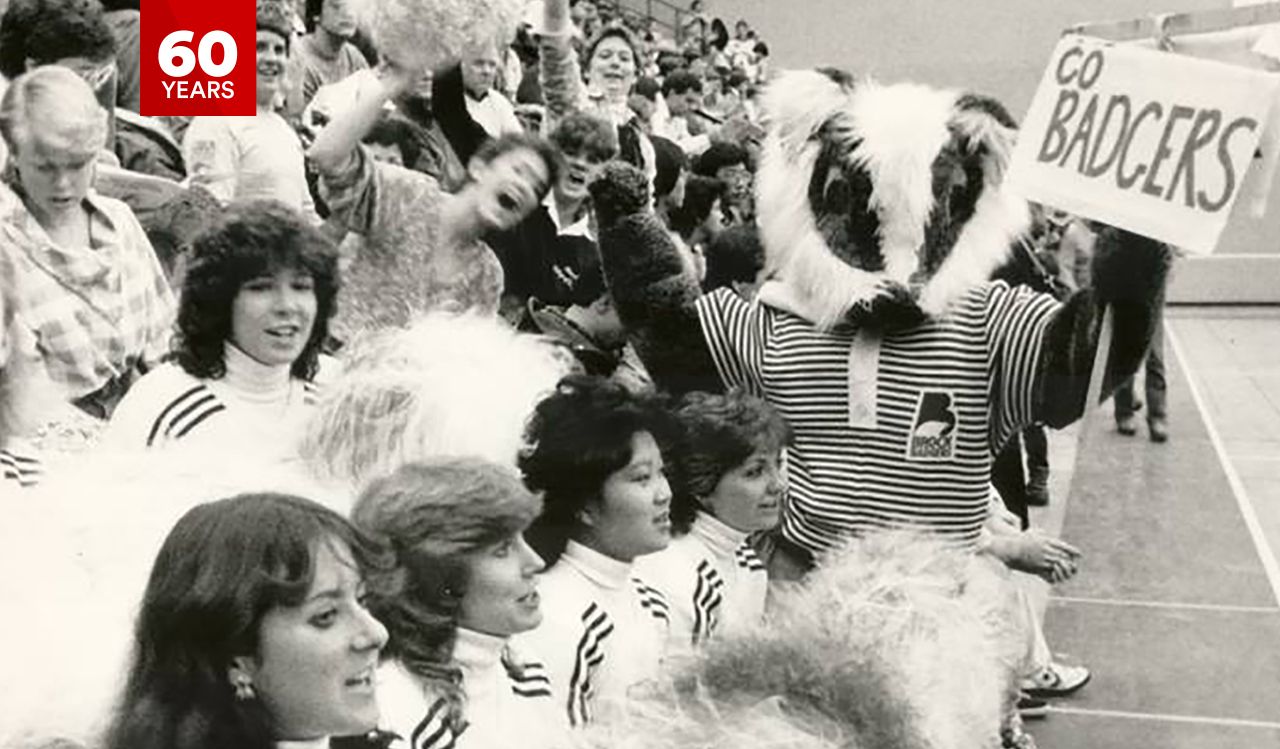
{"x": 933, "y": 431}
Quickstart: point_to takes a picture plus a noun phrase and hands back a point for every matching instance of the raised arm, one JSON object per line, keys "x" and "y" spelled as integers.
{"x": 334, "y": 150}
{"x": 558, "y": 69}
{"x": 652, "y": 284}
{"x": 1129, "y": 273}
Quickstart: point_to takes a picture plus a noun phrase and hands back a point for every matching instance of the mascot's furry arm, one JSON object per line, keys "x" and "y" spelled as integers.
{"x": 1129, "y": 273}
{"x": 652, "y": 283}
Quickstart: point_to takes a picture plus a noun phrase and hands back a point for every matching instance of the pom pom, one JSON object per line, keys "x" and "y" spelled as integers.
{"x": 896, "y": 640}
{"x": 433, "y": 33}
{"x": 448, "y": 385}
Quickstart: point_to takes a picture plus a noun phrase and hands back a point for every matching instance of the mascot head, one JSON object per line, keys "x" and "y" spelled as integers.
{"x": 865, "y": 188}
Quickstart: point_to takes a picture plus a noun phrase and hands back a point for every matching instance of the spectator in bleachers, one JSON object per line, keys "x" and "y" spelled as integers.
{"x": 325, "y": 55}
{"x": 609, "y": 62}
{"x": 546, "y": 255}
{"x": 696, "y": 24}
{"x": 257, "y": 297}
{"x": 125, "y": 20}
{"x": 20, "y": 398}
{"x": 487, "y": 106}
{"x": 259, "y": 156}
{"x": 644, "y": 103}
{"x": 589, "y": 328}
{"x": 77, "y": 35}
{"x": 423, "y": 248}
{"x": 682, "y": 94}
{"x": 729, "y": 163}
{"x": 701, "y": 218}
{"x": 93, "y": 291}
{"x": 669, "y": 184}
{"x": 734, "y": 259}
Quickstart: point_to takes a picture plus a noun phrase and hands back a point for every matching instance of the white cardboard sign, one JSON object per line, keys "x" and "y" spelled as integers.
{"x": 1154, "y": 142}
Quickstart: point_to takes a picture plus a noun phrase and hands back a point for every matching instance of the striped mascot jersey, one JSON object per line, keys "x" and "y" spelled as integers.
{"x": 603, "y": 632}
{"x": 945, "y": 395}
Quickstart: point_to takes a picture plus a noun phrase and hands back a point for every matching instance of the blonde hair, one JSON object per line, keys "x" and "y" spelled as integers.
{"x": 56, "y": 103}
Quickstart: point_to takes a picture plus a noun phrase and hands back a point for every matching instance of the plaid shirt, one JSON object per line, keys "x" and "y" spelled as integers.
{"x": 99, "y": 313}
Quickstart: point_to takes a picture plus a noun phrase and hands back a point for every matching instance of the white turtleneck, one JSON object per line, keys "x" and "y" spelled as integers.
{"x": 253, "y": 412}
{"x": 712, "y": 578}
{"x": 506, "y": 700}
{"x": 603, "y": 631}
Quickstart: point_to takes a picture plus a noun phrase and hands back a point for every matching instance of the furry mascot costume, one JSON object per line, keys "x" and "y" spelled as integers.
{"x": 900, "y": 367}
{"x": 77, "y": 549}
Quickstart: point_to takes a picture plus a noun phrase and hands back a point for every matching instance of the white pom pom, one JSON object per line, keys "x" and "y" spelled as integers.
{"x": 432, "y": 33}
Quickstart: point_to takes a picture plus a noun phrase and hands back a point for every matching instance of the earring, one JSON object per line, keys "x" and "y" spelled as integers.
{"x": 243, "y": 686}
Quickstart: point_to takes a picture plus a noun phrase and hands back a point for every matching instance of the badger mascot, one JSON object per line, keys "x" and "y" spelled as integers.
{"x": 901, "y": 368}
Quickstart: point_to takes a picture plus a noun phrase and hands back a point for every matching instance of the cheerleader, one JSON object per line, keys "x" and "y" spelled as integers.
{"x": 253, "y": 632}
{"x": 596, "y": 458}
{"x": 256, "y": 302}
{"x": 466, "y": 582}
{"x": 730, "y": 485}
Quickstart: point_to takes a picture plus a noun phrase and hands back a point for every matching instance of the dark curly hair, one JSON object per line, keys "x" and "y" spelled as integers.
{"x": 717, "y": 434}
{"x": 578, "y": 436}
{"x": 252, "y": 239}
{"x": 50, "y": 30}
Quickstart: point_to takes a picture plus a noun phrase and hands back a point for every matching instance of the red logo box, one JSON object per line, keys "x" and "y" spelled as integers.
{"x": 198, "y": 58}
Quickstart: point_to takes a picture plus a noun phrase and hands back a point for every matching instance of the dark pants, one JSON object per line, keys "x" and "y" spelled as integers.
{"x": 1157, "y": 403}
{"x": 1009, "y": 480}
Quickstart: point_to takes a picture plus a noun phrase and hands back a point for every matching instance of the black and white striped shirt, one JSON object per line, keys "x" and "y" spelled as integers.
{"x": 947, "y": 394}
{"x": 603, "y": 631}
{"x": 18, "y": 468}
{"x": 506, "y": 701}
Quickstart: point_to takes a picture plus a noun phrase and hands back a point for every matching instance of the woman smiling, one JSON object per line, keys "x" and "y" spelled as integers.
{"x": 253, "y": 632}
{"x": 256, "y": 302}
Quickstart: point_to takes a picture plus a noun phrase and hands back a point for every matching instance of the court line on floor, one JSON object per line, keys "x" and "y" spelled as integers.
{"x": 1263, "y": 548}
{"x": 1203, "y": 720}
{"x": 1172, "y": 605}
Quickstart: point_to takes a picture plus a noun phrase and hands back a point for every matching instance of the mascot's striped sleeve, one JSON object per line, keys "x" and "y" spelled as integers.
{"x": 603, "y": 631}
{"x": 506, "y": 701}
{"x": 944, "y": 396}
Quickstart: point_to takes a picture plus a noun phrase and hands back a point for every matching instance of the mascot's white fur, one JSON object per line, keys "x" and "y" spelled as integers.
{"x": 77, "y": 550}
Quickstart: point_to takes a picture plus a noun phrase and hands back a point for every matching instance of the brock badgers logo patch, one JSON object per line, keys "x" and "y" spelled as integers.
{"x": 933, "y": 431}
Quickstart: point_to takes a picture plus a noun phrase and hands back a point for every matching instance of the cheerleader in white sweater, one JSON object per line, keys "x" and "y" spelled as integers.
{"x": 729, "y": 485}
{"x": 256, "y": 302}
{"x": 595, "y": 456}
{"x": 465, "y": 583}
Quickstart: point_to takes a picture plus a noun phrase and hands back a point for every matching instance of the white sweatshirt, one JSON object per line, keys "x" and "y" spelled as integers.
{"x": 603, "y": 631}
{"x": 713, "y": 580}
{"x": 507, "y": 701}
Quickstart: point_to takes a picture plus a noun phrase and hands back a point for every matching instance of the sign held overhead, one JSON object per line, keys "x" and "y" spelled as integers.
{"x": 1153, "y": 142}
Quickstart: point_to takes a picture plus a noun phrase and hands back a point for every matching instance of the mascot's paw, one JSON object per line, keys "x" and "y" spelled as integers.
{"x": 621, "y": 190}
{"x": 1128, "y": 267}
{"x": 892, "y": 307}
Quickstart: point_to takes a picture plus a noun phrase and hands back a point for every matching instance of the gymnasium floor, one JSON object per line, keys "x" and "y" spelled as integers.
{"x": 1177, "y": 610}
